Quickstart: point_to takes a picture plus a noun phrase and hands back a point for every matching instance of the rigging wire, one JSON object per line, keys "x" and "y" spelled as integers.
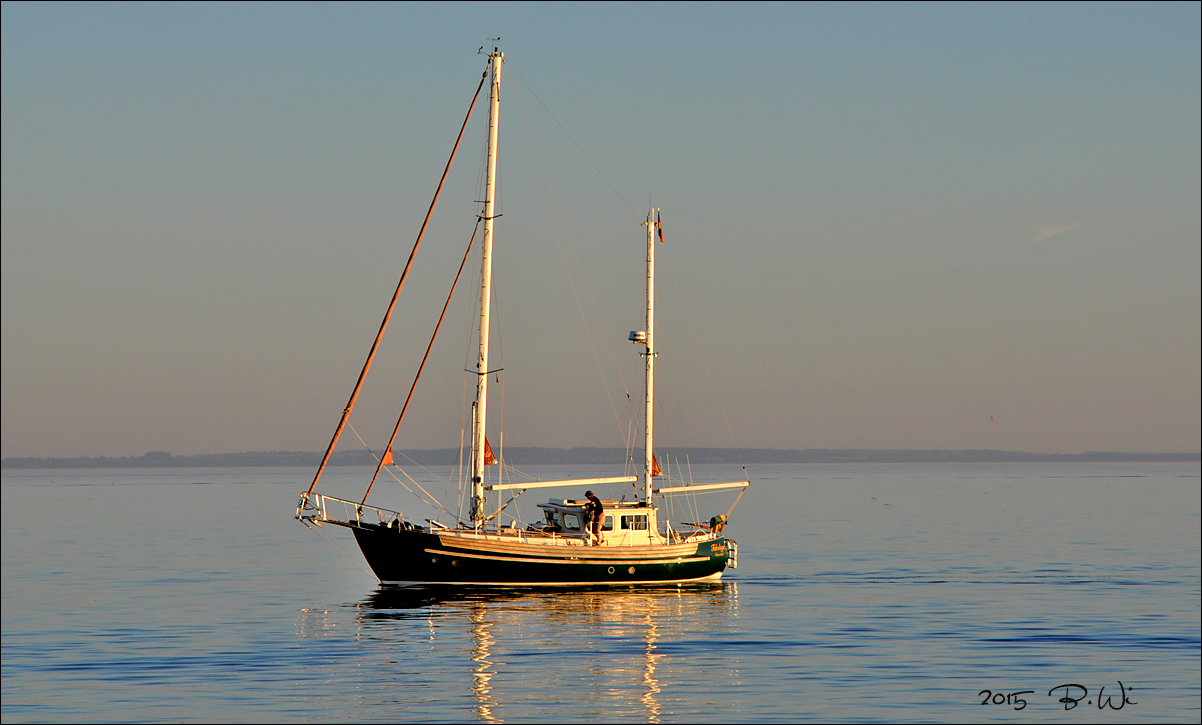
{"x": 464, "y": 408}
{"x": 498, "y": 292}
{"x": 705, "y": 363}
{"x": 459, "y": 464}
{"x": 666, "y": 347}
{"x": 422, "y": 366}
{"x": 434, "y": 502}
{"x": 536, "y": 157}
{"x": 565, "y": 132}
{"x": 680, "y": 295}
{"x": 415, "y": 483}
{"x": 470, "y": 311}
{"x": 446, "y": 481}
{"x": 340, "y": 551}
{"x": 346, "y": 413}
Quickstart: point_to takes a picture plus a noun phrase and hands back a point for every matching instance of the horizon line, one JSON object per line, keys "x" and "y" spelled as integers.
{"x": 533, "y": 455}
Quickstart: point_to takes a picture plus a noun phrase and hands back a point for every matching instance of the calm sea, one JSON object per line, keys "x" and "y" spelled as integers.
{"x": 863, "y": 593}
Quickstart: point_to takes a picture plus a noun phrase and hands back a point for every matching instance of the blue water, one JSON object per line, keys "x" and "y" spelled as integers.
{"x": 863, "y": 593}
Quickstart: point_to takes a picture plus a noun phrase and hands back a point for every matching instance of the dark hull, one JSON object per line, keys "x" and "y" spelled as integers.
{"x": 447, "y": 558}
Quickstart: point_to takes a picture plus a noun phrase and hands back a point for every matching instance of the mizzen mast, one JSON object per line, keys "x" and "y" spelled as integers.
{"x": 649, "y": 385}
{"x": 480, "y": 407}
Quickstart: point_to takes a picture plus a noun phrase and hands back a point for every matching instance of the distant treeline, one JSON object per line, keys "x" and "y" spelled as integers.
{"x": 522, "y": 456}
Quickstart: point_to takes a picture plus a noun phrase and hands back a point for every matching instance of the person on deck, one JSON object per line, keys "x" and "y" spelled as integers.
{"x": 596, "y": 514}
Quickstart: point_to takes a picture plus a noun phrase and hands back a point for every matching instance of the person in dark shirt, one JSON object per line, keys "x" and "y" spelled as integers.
{"x": 595, "y": 512}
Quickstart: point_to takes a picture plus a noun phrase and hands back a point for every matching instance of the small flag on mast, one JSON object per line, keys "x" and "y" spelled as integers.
{"x": 387, "y": 459}
{"x": 655, "y": 472}
{"x": 489, "y": 458}
{"x": 659, "y": 223}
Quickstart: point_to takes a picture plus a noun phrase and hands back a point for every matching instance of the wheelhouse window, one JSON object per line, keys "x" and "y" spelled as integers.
{"x": 635, "y": 522}
{"x": 608, "y": 524}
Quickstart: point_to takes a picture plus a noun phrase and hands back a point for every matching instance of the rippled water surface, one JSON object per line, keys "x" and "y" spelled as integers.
{"x": 864, "y": 592}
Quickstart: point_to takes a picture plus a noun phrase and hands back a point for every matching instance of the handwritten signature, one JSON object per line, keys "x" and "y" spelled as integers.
{"x": 1071, "y": 695}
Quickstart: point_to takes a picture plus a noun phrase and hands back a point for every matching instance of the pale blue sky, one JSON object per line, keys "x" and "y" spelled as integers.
{"x": 889, "y": 223}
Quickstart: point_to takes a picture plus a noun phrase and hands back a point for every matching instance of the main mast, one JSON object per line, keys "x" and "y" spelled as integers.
{"x": 479, "y": 409}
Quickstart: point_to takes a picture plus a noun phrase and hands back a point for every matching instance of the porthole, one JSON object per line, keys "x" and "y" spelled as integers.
{"x": 631, "y": 570}
{"x": 434, "y": 560}
{"x": 611, "y": 570}
{"x": 454, "y": 563}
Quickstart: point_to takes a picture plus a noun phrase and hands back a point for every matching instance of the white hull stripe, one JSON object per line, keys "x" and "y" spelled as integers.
{"x": 598, "y": 562}
{"x": 503, "y": 546}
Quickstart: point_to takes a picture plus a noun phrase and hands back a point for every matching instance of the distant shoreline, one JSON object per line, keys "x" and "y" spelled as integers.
{"x": 567, "y": 456}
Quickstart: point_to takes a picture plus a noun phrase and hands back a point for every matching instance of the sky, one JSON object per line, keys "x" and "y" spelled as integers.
{"x": 953, "y": 226}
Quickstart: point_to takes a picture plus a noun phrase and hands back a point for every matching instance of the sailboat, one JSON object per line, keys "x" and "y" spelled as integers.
{"x": 627, "y": 543}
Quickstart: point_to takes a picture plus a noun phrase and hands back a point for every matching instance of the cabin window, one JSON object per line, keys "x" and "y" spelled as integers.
{"x": 571, "y": 521}
{"x": 608, "y": 524}
{"x": 635, "y": 523}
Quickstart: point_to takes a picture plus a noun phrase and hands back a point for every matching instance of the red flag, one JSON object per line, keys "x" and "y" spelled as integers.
{"x": 655, "y": 467}
{"x": 659, "y": 222}
{"x": 489, "y": 458}
{"x": 387, "y": 460}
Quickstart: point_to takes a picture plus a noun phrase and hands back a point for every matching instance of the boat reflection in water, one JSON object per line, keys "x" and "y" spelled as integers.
{"x": 483, "y": 668}
{"x": 597, "y": 649}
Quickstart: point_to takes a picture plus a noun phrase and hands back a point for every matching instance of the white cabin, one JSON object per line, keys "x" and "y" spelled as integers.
{"x": 626, "y": 523}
